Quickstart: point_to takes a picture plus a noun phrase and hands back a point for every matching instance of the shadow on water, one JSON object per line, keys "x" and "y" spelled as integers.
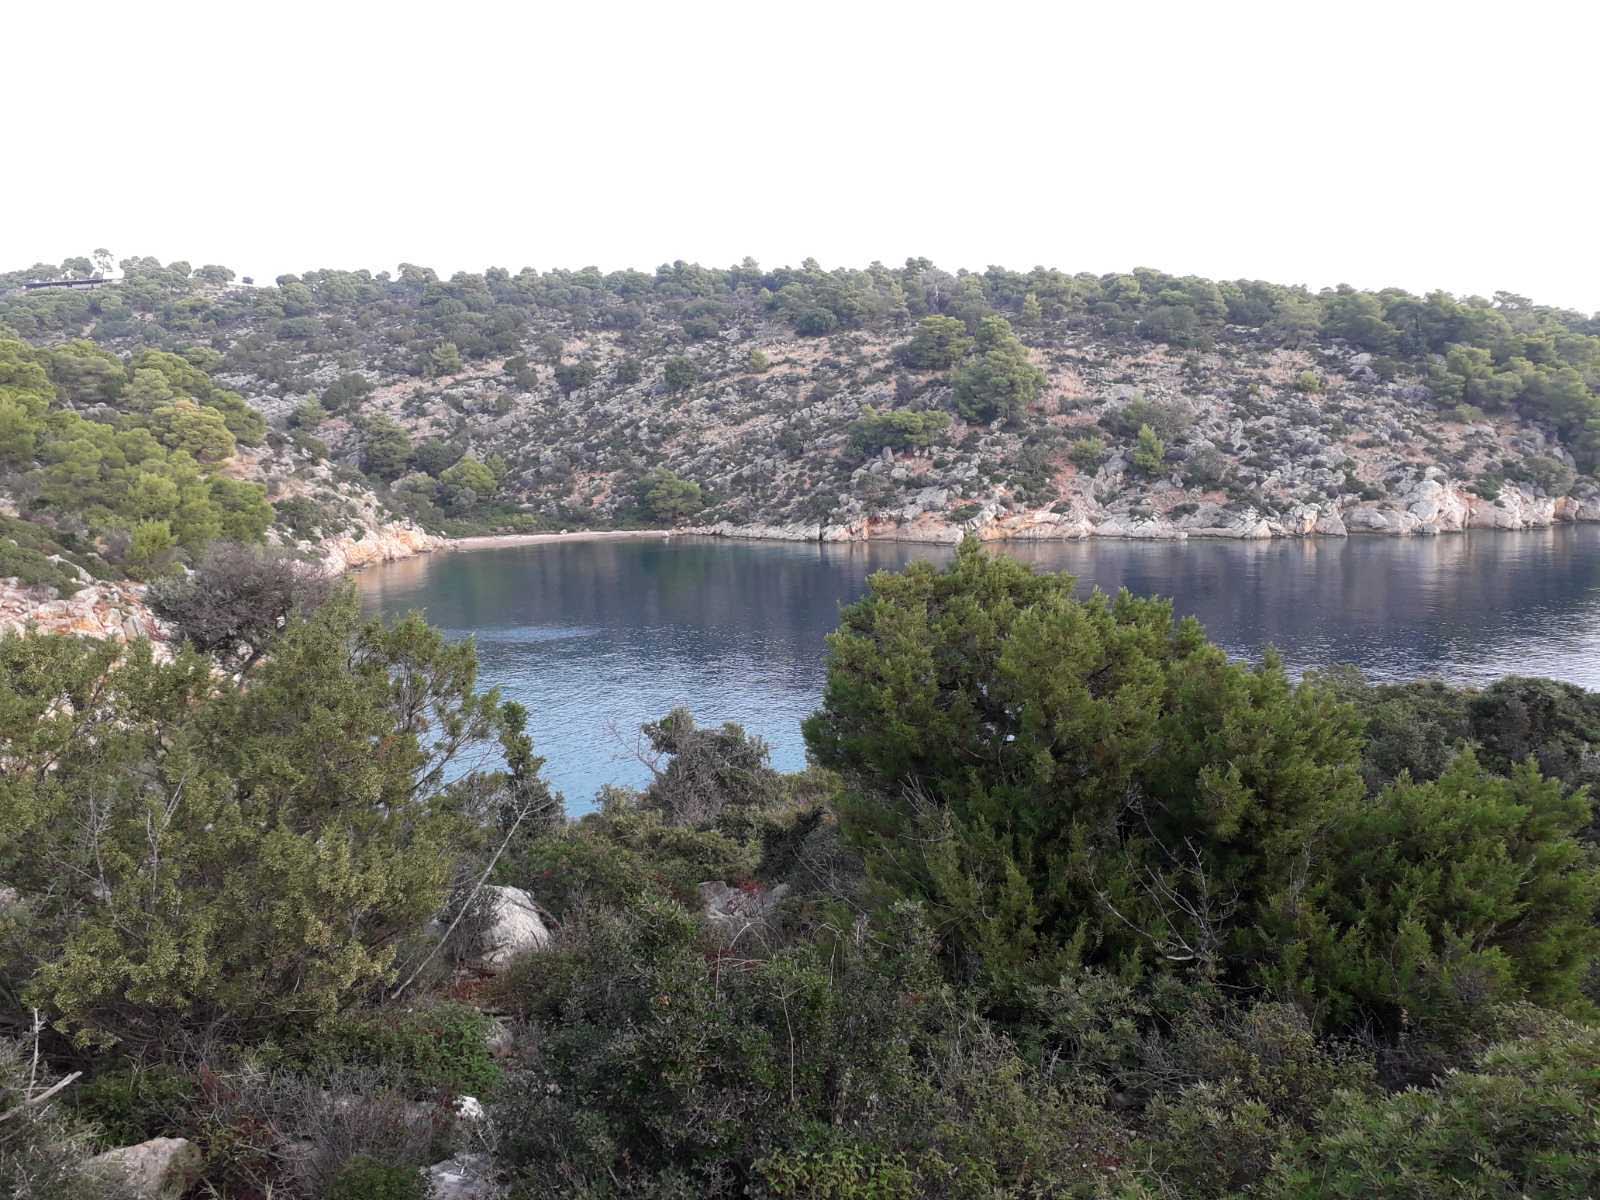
{"x": 597, "y": 637}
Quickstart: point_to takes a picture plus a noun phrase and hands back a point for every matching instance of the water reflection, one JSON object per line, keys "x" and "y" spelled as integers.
{"x": 596, "y": 637}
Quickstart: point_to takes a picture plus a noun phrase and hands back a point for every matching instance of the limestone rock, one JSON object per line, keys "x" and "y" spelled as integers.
{"x": 514, "y": 927}
{"x": 383, "y": 543}
{"x": 160, "y": 1169}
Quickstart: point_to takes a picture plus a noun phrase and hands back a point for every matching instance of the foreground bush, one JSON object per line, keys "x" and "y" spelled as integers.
{"x": 1070, "y": 783}
{"x": 1523, "y": 1120}
{"x": 189, "y": 852}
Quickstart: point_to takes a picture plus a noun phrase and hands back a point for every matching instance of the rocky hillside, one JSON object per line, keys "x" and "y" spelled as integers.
{"x": 904, "y": 403}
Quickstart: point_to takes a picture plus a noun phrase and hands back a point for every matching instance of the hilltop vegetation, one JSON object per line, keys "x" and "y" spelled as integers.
{"x": 867, "y": 400}
{"x": 1068, "y": 904}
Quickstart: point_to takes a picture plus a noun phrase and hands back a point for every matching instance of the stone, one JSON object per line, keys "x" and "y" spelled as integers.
{"x": 160, "y": 1169}
{"x": 514, "y": 927}
{"x": 464, "y": 1177}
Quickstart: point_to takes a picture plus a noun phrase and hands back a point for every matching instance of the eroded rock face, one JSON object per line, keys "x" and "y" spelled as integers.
{"x": 514, "y": 927}
{"x": 385, "y": 543}
{"x": 160, "y": 1169}
{"x": 115, "y": 611}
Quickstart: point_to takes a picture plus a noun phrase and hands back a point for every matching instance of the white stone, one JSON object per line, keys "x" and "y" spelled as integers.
{"x": 514, "y": 926}
{"x": 160, "y": 1169}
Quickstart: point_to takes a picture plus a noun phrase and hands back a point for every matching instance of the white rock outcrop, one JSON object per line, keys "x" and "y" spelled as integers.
{"x": 384, "y": 543}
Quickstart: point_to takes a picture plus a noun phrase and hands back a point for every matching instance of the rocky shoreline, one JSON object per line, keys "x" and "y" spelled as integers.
{"x": 1433, "y": 506}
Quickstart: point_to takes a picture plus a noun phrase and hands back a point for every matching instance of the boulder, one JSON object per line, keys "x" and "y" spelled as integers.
{"x": 464, "y": 1177}
{"x": 160, "y": 1169}
{"x": 514, "y": 926}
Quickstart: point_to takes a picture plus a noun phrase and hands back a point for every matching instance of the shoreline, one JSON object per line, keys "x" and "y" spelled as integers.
{"x": 496, "y": 541}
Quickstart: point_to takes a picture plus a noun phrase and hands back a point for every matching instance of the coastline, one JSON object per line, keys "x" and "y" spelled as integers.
{"x": 496, "y": 541}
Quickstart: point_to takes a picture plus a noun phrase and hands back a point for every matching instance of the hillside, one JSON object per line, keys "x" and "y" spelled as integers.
{"x": 803, "y": 403}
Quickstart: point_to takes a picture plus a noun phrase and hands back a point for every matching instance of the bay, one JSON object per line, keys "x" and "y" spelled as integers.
{"x": 597, "y": 637}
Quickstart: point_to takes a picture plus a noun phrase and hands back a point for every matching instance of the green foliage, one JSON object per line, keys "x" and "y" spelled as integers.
{"x": 364, "y": 1178}
{"x": 666, "y": 1061}
{"x": 1149, "y": 452}
{"x": 346, "y": 392}
{"x": 990, "y": 728}
{"x": 42, "y": 1147}
{"x": 664, "y": 497}
{"x": 680, "y": 374}
{"x": 143, "y": 482}
{"x": 1523, "y": 1120}
{"x": 1437, "y": 897}
{"x": 438, "y": 1047}
{"x": 938, "y": 344}
{"x": 895, "y": 430}
{"x": 999, "y": 382}
{"x": 132, "y": 1104}
{"x": 470, "y": 473}
{"x": 572, "y": 377}
{"x": 445, "y": 359}
{"x": 262, "y": 848}
{"x": 1169, "y": 420}
{"x": 385, "y": 448}
{"x": 1087, "y": 453}
{"x": 756, "y": 361}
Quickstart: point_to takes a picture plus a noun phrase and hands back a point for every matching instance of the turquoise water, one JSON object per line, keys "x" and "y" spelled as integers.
{"x": 598, "y": 637}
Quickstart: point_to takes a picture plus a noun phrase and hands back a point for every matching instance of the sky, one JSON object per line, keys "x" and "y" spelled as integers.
{"x": 1420, "y": 145}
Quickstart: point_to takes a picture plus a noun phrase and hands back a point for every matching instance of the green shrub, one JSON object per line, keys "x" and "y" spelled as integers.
{"x": 989, "y": 728}
{"x": 365, "y": 1178}
{"x": 1440, "y": 897}
{"x": 439, "y": 1047}
{"x": 1087, "y": 453}
{"x": 1523, "y": 1120}
{"x": 133, "y": 1104}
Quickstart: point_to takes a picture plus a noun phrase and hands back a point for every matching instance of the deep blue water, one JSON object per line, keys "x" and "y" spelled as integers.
{"x": 598, "y": 637}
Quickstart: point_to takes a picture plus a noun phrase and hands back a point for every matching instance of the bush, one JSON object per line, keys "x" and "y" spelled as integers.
{"x": 42, "y": 1149}
{"x": 990, "y": 728}
{"x": 1000, "y": 382}
{"x": 259, "y": 862}
{"x": 365, "y": 1178}
{"x": 1149, "y": 452}
{"x": 1168, "y": 421}
{"x": 1437, "y": 898}
{"x": 132, "y": 1104}
{"x": 1523, "y": 1120}
{"x": 938, "y": 344}
{"x": 1087, "y": 453}
{"x": 680, "y": 374}
{"x": 438, "y": 1047}
{"x": 874, "y": 431}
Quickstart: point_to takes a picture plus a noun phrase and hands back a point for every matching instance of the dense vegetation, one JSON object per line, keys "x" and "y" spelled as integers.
{"x": 117, "y": 463}
{"x": 1068, "y": 904}
{"x": 549, "y": 399}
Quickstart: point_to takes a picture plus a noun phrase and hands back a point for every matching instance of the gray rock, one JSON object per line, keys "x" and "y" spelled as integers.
{"x": 160, "y": 1169}
{"x": 464, "y": 1177}
{"x": 514, "y": 927}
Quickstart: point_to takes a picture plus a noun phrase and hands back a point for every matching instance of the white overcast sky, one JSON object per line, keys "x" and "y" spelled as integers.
{"x": 1417, "y": 144}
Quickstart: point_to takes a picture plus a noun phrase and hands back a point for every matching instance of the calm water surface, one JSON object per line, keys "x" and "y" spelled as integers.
{"x": 598, "y": 637}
